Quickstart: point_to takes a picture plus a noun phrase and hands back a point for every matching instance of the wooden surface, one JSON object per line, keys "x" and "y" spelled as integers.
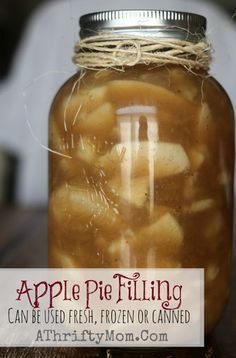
{"x": 23, "y": 243}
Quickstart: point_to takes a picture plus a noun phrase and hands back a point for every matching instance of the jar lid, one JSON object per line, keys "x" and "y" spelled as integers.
{"x": 160, "y": 23}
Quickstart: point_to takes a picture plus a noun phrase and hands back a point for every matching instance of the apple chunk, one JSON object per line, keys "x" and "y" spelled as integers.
{"x": 166, "y": 234}
{"x": 134, "y": 191}
{"x": 143, "y": 158}
{"x": 84, "y": 206}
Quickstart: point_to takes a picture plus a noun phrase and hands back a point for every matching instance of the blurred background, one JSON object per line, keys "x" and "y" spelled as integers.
{"x": 37, "y": 38}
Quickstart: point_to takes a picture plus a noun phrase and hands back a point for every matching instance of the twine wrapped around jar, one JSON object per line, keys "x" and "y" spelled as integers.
{"x": 117, "y": 51}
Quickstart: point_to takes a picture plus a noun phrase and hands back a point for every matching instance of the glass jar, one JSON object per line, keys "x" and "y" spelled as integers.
{"x": 144, "y": 177}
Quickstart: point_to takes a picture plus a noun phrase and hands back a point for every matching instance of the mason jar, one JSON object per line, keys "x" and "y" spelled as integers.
{"x": 142, "y": 159}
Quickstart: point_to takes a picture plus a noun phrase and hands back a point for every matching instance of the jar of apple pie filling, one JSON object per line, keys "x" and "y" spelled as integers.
{"x": 142, "y": 152}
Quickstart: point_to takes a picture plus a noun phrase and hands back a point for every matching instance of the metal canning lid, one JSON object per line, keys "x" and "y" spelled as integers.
{"x": 160, "y": 23}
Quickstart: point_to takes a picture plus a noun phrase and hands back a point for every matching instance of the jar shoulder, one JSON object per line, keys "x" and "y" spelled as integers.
{"x": 222, "y": 93}
{"x": 193, "y": 87}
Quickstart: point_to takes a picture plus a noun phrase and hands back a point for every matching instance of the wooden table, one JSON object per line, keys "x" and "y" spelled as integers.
{"x": 23, "y": 234}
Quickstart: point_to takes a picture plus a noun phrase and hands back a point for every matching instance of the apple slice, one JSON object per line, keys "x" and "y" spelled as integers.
{"x": 99, "y": 122}
{"x": 199, "y": 206}
{"x": 145, "y": 158}
{"x": 139, "y": 92}
{"x": 166, "y": 235}
{"x": 134, "y": 191}
{"x": 84, "y": 206}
